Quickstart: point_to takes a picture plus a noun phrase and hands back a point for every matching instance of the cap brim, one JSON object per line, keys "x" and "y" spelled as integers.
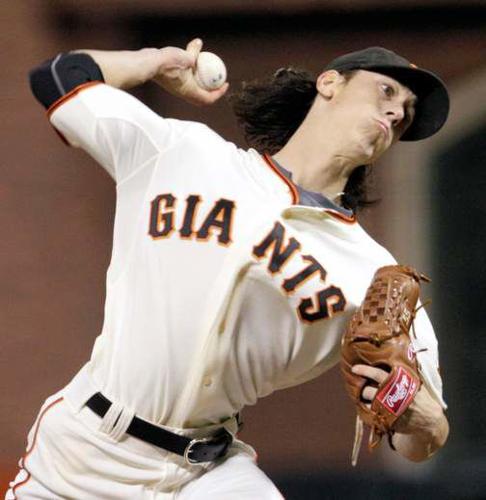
{"x": 432, "y": 106}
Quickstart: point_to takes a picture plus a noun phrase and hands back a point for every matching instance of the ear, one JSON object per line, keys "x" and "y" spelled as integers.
{"x": 328, "y": 82}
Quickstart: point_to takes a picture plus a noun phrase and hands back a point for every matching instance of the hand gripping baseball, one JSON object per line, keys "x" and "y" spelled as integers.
{"x": 176, "y": 74}
{"x": 379, "y": 337}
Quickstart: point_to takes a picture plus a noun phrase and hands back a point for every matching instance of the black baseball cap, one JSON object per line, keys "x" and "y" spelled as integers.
{"x": 432, "y": 106}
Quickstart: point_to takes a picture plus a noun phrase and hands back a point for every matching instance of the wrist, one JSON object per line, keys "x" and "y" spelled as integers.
{"x": 148, "y": 62}
{"x": 438, "y": 431}
{"x": 422, "y": 442}
{"x": 435, "y": 427}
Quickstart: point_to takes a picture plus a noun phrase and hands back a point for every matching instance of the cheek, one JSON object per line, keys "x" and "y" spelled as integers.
{"x": 357, "y": 118}
{"x": 367, "y": 124}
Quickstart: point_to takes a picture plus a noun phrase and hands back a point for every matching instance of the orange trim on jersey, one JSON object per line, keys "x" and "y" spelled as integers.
{"x": 75, "y": 91}
{"x": 338, "y": 215}
{"x": 29, "y": 451}
{"x": 295, "y": 193}
{"x": 290, "y": 184}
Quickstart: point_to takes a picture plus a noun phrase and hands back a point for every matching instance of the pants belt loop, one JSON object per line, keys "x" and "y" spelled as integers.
{"x": 116, "y": 421}
{"x": 121, "y": 426}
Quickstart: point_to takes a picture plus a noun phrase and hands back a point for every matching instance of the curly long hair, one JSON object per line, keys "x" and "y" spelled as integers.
{"x": 270, "y": 111}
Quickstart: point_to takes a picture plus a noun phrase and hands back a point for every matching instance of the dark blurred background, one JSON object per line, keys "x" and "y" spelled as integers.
{"x": 57, "y": 210}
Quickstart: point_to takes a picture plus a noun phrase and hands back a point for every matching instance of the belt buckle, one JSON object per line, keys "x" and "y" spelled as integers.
{"x": 189, "y": 447}
{"x": 225, "y": 439}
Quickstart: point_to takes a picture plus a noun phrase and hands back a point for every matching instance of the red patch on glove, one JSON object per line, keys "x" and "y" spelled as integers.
{"x": 398, "y": 393}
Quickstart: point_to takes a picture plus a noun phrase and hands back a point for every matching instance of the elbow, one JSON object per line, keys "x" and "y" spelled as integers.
{"x": 56, "y": 77}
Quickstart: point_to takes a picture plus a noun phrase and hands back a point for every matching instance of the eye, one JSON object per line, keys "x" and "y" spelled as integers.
{"x": 388, "y": 90}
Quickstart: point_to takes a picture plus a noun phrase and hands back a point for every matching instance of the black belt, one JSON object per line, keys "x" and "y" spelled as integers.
{"x": 193, "y": 450}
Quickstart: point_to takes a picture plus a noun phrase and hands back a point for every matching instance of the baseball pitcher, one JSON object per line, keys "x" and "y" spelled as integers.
{"x": 234, "y": 272}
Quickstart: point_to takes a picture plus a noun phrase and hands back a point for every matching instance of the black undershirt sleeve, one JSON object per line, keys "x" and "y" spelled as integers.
{"x": 56, "y": 77}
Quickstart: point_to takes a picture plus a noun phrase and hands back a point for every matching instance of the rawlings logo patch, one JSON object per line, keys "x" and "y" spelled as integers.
{"x": 398, "y": 393}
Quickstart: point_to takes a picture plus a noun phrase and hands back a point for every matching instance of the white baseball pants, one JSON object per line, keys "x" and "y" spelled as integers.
{"x": 68, "y": 456}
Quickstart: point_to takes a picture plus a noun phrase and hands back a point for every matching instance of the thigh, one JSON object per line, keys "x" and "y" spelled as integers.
{"x": 64, "y": 459}
{"x": 25, "y": 485}
{"x": 236, "y": 478}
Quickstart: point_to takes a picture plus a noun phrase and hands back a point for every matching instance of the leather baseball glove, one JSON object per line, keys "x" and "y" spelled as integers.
{"x": 379, "y": 334}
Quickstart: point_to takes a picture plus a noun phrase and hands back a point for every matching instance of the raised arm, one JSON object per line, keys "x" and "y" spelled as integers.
{"x": 171, "y": 67}
{"x": 117, "y": 130}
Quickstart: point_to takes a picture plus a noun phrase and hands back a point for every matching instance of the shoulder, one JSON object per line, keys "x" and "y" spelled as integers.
{"x": 326, "y": 226}
{"x": 201, "y": 133}
{"x": 199, "y": 138}
{"x": 375, "y": 250}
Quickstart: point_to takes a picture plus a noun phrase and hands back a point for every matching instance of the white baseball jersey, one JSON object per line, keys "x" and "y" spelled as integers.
{"x": 219, "y": 291}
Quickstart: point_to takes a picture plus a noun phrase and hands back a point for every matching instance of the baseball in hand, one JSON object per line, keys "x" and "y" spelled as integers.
{"x": 210, "y": 71}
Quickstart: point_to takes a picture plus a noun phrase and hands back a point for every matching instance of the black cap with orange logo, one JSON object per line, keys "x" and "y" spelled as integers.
{"x": 432, "y": 106}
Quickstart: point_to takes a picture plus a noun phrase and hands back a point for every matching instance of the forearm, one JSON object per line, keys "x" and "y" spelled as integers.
{"x": 170, "y": 67}
{"x": 424, "y": 442}
{"x": 125, "y": 69}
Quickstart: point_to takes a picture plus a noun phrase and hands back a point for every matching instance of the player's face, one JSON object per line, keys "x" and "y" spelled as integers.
{"x": 374, "y": 110}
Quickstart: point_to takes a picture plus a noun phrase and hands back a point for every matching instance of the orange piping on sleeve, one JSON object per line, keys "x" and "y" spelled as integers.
{"x": 69, "y": 95}
{"x": 290, "y": 184}
{"x": 75, "y": 91}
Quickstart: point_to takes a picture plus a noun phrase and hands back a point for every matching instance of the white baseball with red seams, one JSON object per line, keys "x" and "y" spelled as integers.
{"x": 210, "y": 71}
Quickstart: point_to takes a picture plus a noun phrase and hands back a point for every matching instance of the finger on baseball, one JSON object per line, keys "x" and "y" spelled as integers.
{"x": 371, "y": 372}
{"x": 218, "y": 93}
{"x": 194, "y": 47}
{"x": 210, "y": 96}
{"x": 369, "y": 393}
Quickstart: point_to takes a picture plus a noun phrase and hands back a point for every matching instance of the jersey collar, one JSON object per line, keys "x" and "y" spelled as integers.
{"x": 301, "y": 196}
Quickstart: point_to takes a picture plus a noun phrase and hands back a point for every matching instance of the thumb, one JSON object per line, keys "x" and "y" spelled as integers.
{"x": 193, "y": 48}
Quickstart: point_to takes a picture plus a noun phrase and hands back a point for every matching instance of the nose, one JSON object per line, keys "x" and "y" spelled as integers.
{"x": 395, "y": 114}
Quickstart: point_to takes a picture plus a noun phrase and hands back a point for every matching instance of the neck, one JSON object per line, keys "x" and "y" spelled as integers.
{"x": 317, "y": 165}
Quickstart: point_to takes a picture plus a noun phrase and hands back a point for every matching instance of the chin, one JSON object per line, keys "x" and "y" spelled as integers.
{"x": 370, "y": 151}
{"x": 377, "y": 154}
{"x": 370, "y": 146}
{"x": 379, "y": 146}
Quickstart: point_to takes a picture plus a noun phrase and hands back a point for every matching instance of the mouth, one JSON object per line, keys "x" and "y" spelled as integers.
{"x": 384, "y": 127}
